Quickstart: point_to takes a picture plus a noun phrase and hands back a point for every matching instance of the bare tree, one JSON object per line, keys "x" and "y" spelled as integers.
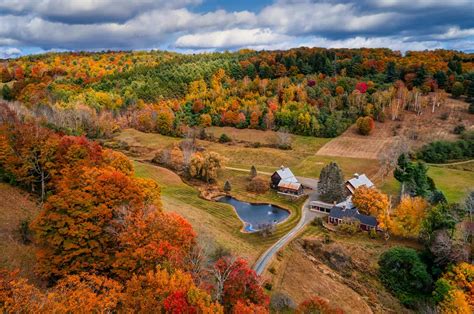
{"x": 221, "y": 274}
{"x": 266, "y": 229}
{"x": 388, "y": 158}
{"x": 283, "y": 138}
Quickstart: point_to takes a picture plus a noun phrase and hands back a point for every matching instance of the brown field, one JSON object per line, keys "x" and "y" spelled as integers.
{"x": 302, "y": 275}
{"x": 416, "y": 129}
{"x": 16, "y": 206}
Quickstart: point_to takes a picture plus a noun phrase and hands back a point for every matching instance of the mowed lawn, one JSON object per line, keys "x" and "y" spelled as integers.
{"x": 454, "y": 183}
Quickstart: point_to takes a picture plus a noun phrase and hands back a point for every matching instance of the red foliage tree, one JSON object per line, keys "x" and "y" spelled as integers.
{"x": 236, "y": 282}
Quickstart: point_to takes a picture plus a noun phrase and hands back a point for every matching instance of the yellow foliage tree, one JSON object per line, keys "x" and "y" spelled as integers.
{"x": 455, "y": 303}
{"x": 408, "y": 216}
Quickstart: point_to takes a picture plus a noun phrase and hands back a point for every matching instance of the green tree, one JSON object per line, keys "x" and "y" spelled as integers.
{"x": 403, "y": 272}
{"x": 457, "y": 90}
{"x": 331, "y": 183}
{"x": 227, "y": 187}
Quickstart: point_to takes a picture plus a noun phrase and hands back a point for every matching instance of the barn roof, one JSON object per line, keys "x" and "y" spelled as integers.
{"x": 289, "y": 185}
{"x": 286, "y": 175}
{"x": 360, "y": 180}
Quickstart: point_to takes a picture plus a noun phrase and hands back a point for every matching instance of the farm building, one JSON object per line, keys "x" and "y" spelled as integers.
{"x": 320, "y": 206}
{"x": 285, "y": 182}
{"x": 357, "y": 181}
{"x": 347, "y": 210}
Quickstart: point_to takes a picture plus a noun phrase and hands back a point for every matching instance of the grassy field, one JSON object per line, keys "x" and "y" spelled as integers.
{"x": 217, "y": 222}
{"x": 454, "y": 183}
{"x": 301, "y": 158}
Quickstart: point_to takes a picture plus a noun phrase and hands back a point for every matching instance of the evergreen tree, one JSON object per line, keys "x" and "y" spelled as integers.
{"x": 227, "y": 187}
{"x": 253, "y": 172}
{"x": 391, "y": 72}
{"x": 413, "y": 176}
{"x": 440, "y": 78}
{"x": 470, "y": 89}
{"x": 420, "y": 76}
{"x": 331, "y": 183}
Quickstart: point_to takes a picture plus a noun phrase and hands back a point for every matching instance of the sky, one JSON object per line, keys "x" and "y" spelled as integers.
{"x": 191, "y": 26}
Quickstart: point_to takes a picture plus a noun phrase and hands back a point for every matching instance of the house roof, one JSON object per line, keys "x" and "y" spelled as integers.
{"x": 320, "y": 204}
{"x": 286, "y": 175}
{"x": 289, "y": 185}
{"x": 341, "y": 212}
{"x": 360, "y": 180}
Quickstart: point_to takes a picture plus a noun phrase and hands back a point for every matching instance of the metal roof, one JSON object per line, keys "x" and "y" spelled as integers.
{"x": 360, "y": 180}
{"x": 289, "y": 185}
{"x": 286, "y": 175}
{"x": 321, "y": 204}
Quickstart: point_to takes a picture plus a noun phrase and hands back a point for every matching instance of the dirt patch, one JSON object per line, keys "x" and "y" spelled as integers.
{"x": 300, "y": 278}
{"x": 16, "y": 206}
{"x": 417, "y": 129}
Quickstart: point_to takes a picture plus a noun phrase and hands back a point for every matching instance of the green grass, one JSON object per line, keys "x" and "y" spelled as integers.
{"x": 391, "y": 186}
{"x": 184, "y": 199}
{"x": 453, "y": 183}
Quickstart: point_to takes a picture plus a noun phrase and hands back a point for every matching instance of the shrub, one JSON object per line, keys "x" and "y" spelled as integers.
{"x": 317, "y": 221}
{"x": 457, "y": 90}
{"x": 224, "y": 138}
{"x": 258, "y": 185}
{"x": 471, "y": 108}
{"x": 403, "y": 272}
{"x": 349, "y": 226}
{"x": 365, "y": 125}
{"x": 443, "y": 151}
{"x": 281, "y": 302}
{"x": 458, "y": 129}
{"x": 444, "y": 116}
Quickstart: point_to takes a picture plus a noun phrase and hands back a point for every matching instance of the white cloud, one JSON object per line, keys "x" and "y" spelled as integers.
{"x": 417, "y": 4}
{"x": 231, "y": 38}
{"x": 455, "y": 32}
{"x": 90, "y": 10}
{"x": 9, "y": 52}
{"x": 306, "y": 17}
{"x": 394, "y": 43}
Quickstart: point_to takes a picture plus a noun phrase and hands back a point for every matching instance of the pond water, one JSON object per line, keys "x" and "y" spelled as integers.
{"x": 255, "y": 216}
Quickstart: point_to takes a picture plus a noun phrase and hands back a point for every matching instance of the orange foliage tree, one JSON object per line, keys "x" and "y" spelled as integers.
{"x": 160, "y": 291}
{"x": 370, "y": 201}
{"x": 151, "y": 239}
{"x": 77, "y": 229}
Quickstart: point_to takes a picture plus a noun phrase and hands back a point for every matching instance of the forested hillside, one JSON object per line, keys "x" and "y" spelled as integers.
{"x": 308, "y": 91}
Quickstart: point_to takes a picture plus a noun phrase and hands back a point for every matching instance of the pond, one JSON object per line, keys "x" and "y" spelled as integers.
{"x": 256, "y": 216}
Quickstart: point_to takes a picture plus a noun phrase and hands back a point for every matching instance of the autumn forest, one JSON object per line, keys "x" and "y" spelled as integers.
{"x": 103, "y": 239}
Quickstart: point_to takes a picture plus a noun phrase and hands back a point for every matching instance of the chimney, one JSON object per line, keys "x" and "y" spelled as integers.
{"x": 356, "y": 175}
{"x": 282, "y": 167}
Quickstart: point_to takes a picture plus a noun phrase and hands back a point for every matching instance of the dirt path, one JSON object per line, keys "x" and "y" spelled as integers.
{"x": 452, "y": 163}
{"x": 248, "y": 170}
{"x": 306, "y": 217}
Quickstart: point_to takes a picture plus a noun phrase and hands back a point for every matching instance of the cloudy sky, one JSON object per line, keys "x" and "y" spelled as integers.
{"x": 34, "y": 26}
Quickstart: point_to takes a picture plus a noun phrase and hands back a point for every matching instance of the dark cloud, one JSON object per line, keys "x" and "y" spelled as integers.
{"x": 183, "y": 24}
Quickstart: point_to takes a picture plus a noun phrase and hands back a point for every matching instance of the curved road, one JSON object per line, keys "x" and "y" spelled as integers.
{"x": 306, "y": 217}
